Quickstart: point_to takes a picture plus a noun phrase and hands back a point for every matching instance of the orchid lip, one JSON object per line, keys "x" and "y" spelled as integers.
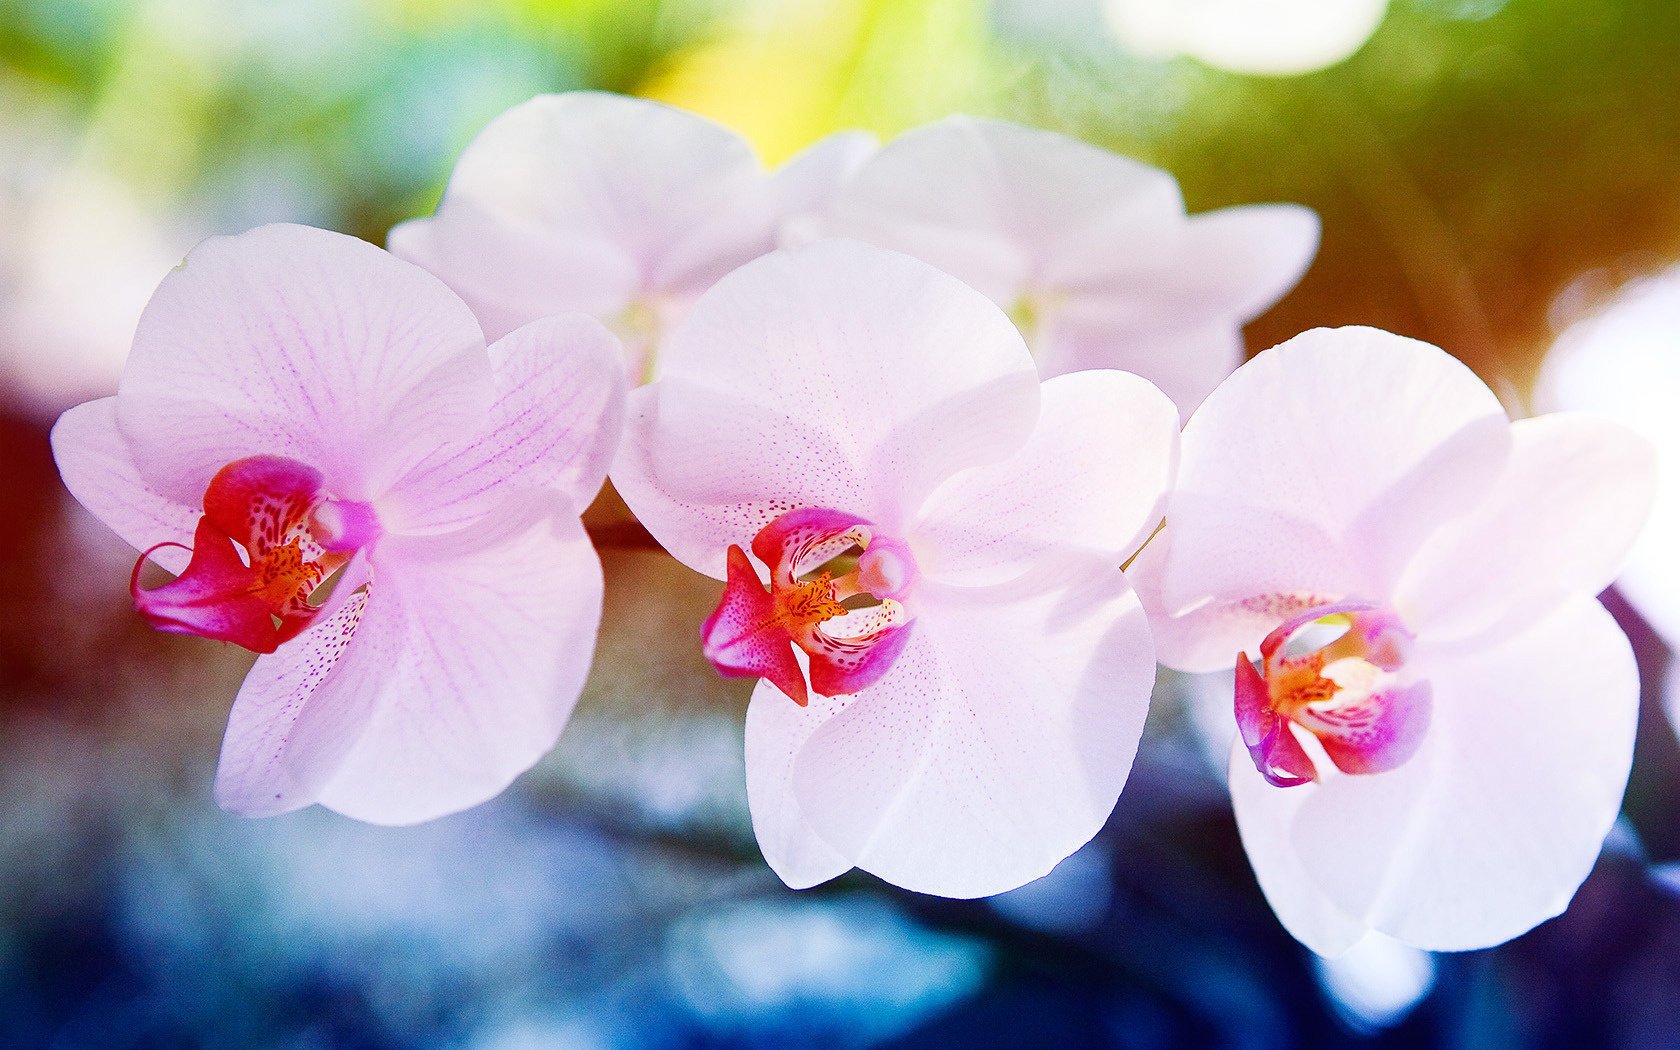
{"x": 1354, "y": 692}
{"x": 267, "y": 543}
{"x": 850, "y": 625}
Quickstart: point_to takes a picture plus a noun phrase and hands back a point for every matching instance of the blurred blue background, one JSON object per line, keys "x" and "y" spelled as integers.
{"x": 1487, "y": 172}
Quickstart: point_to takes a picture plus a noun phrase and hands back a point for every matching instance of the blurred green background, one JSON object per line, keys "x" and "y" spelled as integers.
{"x": 1487, "y": 171}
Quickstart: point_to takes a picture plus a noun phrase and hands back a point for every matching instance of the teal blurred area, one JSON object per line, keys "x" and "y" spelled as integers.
{"x": 1486, "y": 171}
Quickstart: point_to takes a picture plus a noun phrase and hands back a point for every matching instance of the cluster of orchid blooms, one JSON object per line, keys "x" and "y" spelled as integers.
{"x": 919, "y": 408}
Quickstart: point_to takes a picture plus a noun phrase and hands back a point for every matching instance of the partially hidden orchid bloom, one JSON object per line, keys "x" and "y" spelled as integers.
{"x": 313, "y": 436}
{"x": 921, "y": 546}
{"x": 1266, "y": 37}
{"x": 1623, "y": 361}
{"x": 1434, "y": 716}
{"x": 620, "y": 208}
{"x": 1090, "y": 252}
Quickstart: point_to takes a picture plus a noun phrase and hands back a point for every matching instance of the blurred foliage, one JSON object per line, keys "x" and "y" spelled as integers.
{"x": 1472, "y": 161}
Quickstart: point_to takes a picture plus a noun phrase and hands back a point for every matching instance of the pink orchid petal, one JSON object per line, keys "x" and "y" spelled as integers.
{"x": 97, "y": 467}
{"x": 805, "y": 185}
{"x": 475, "y": 648}
{"x": 1202, "y": 638}
{"x": 298, "y": 714}
{"x": 843, "y": 664}
{"x": 1264, "y": 818}
{"x": 833, "y": 375}
{"x": 756, "y": 626}
{"x": 1492, "y": 826}
{"x": 776, "y": 732}
{"x": 1558, "y": 522}
{"x": 300, "y": 343}
{"x": 1089, "y": 484}
{"x": 259, "y": 500}
{"x": 218, "y": 596}
{"x": 1270, "y": 741}
{"x": 998, "y": 204}
{"x": 556, "y": 423}
{"x": 512, "y": 274}
{"x": 803, "y": 540}
{"x": 1323, "y": 465}
{"x": 995, "y": 747}
{"x": 1186, "y": 362}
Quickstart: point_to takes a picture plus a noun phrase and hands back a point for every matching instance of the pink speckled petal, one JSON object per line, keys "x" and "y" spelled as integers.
{"x": 995, "y": 747}
{"x": 97, "y": 467}
{"x": 1323, "y": 465}
{"x": 301, "y": 343}
{"x": 295, "y": 719}
{"x": 472, "y": 655}
{"x": 556, "y": 424}
{"x": 834, "y": 375}
{"x": 1089, "y": 484}
{"x": 1559, "y": 522}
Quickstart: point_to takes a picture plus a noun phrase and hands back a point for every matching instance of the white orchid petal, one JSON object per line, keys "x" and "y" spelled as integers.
{"x": 1264, "y": 816}
{"x": 1268, "y": 37}
{"x": 996, "y": 745}
{"x": 511, "y": 275}
{"x": 1323, "y": 465}
{"x": 1624, "y": 362}
{"x": 1089, "y": 483}
{"x": 834, "y": 375}
{"x": 777, "y": 729}
{"x": 1519, "y": 780}
{"x": 1558, "y": 523}
{"x": 1001, "y": 205}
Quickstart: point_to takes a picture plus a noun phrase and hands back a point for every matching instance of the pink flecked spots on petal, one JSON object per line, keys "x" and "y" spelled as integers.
{"x": 256, "y": 558}
{"x": 1352, "y": 692}
{"x": 280, "y": 749}
{"x": 841, "y": 666}
{"x": 802, "y": 540}
{"x": 1375, "y": 734}
{"x": 754, "y": 631}
{"x": 262, "y": 500}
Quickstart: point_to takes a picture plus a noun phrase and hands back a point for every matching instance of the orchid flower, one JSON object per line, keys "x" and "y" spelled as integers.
{"x": 1435, "y": 716}
{"x": 1268, "y": 37}
{"x": 921, "y": 546}
{"x": 301, "y": 411}
{"x": 1090, "y": 252}
{"x": 616, "y": 207}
